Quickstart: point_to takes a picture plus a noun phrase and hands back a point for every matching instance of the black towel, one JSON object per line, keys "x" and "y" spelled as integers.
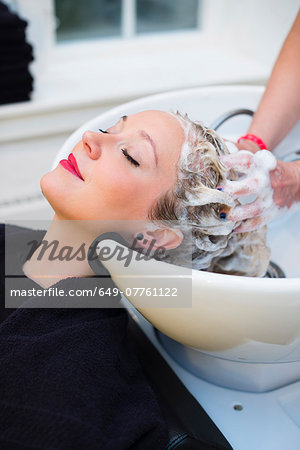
{"x": 9, "y": 68}
{"x": 21, "y": 95}
{"x": 9, "y": 20}
{"x": 18, "y": 35}
{"x": 68, "y": 377}
{"x": 20, "y": 52}
{"x": 15, "y": 56}
{"x": 17, "y": 80}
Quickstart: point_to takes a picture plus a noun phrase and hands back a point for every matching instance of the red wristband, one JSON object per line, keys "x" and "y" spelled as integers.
{"x": 253, "y": 138}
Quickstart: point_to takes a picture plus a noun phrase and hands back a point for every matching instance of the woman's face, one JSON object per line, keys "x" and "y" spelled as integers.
{"x": 124, "y": 170}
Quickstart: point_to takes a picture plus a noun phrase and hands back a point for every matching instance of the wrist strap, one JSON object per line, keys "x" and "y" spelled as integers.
{"x": 253, "y": 138}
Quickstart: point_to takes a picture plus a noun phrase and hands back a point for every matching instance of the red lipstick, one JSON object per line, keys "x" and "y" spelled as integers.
{"x": 70, "y": 164}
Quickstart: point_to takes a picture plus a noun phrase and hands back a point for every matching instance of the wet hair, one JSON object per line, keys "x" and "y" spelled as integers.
{"x": 194, "y": 207}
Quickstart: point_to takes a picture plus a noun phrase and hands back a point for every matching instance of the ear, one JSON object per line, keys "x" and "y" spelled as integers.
{"x": 167, "y": 238}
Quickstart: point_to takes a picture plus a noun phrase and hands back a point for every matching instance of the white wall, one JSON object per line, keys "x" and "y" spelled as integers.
{"x": 254, "y": 28}
{"x": 239, "y": 44}
{"x": 266, "y": 27}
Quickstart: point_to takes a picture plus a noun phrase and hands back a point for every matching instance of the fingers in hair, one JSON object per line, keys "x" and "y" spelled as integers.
{"x": 248, "y": 211}
{"x": 241, "y": 161}
{"x": 243, "y": 187}
{"x": 250, "y": 225}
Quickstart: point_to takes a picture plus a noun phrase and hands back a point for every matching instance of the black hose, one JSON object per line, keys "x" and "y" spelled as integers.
{"x": 236, "y": 112}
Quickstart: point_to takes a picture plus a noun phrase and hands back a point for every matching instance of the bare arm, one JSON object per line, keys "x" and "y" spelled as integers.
{"x": 277, "y": 113}
{"x": 279, "y": 109}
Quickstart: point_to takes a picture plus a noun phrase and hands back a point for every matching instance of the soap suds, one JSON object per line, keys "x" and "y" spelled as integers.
{"x": 254, "y": 179}
{"x": 213, "y": 245}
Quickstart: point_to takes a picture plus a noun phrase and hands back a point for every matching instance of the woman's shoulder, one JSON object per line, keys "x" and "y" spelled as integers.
{"x": 98, "y": 295}
{"x": 10, "y": 230}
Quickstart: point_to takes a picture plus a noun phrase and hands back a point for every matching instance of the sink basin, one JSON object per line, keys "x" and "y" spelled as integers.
{"x": 239, "y": 332}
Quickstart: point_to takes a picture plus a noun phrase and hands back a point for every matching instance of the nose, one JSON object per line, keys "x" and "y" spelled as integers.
{"x": 92, "y": 144}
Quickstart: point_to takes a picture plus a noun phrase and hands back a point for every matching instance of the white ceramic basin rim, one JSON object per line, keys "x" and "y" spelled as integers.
{"x": 236, "y": 318}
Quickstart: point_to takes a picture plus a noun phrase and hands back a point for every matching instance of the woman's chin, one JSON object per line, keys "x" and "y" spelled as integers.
{"x": 52, "y": 192}
{"x": 47, "y": 185}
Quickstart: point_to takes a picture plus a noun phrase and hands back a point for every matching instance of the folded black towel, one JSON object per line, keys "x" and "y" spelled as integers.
{"x": 21, "y": 48}
{"x": 18, "y": 52}
{"x": 18, "y": 95}
{"x": 12, "y": 67}
{"x": 16, "y": 35}
{"x": 9, "y": 20}
{"x": 15, "y": 55}
{"x": 12, "y": 28}
{"x": 16, "y": 80}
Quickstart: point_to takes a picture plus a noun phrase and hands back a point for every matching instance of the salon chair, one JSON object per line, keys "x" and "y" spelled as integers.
{"x": 240, "y": 333}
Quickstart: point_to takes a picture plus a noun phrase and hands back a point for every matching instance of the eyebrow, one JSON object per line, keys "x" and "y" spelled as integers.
{"x": 148, "y": 138}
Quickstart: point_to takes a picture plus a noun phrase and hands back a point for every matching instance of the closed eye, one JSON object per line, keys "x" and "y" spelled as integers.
{"x": 124, "y": 151}
{"x": 132, "y": 161}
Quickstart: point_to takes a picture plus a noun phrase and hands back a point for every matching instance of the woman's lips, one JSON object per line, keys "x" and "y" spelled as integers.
{"x": 70, "y": 164}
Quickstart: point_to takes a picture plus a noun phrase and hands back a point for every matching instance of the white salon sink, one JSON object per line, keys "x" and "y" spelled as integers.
{"x": 221, "y": 322}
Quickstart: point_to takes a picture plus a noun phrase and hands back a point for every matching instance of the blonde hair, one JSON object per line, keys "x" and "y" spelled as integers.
{"x": 194, "y": 206}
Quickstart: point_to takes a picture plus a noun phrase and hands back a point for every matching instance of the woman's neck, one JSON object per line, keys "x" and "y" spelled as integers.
{"x": 62, "y": 253}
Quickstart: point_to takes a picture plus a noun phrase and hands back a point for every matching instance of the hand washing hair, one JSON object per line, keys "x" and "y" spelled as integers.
{"x": 195, "y": 204}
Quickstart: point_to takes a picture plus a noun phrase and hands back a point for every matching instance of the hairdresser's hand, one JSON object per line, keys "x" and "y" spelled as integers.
{"x": 261, "y": 173}
{"x": 285, "y": 181}
{"x": 248, "y": 145}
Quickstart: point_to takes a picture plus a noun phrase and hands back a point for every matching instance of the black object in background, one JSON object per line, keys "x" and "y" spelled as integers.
{"x": 16, "y": 82}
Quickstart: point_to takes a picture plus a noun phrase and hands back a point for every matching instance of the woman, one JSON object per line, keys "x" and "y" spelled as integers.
{"x": 149, "y": 168}
{"x": 70, "y": 379}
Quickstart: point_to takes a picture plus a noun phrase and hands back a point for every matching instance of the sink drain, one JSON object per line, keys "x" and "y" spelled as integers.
{"x": 274, "y": 271}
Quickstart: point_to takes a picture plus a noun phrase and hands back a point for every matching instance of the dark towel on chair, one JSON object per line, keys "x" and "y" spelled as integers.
{"x": 69, "y": 379}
